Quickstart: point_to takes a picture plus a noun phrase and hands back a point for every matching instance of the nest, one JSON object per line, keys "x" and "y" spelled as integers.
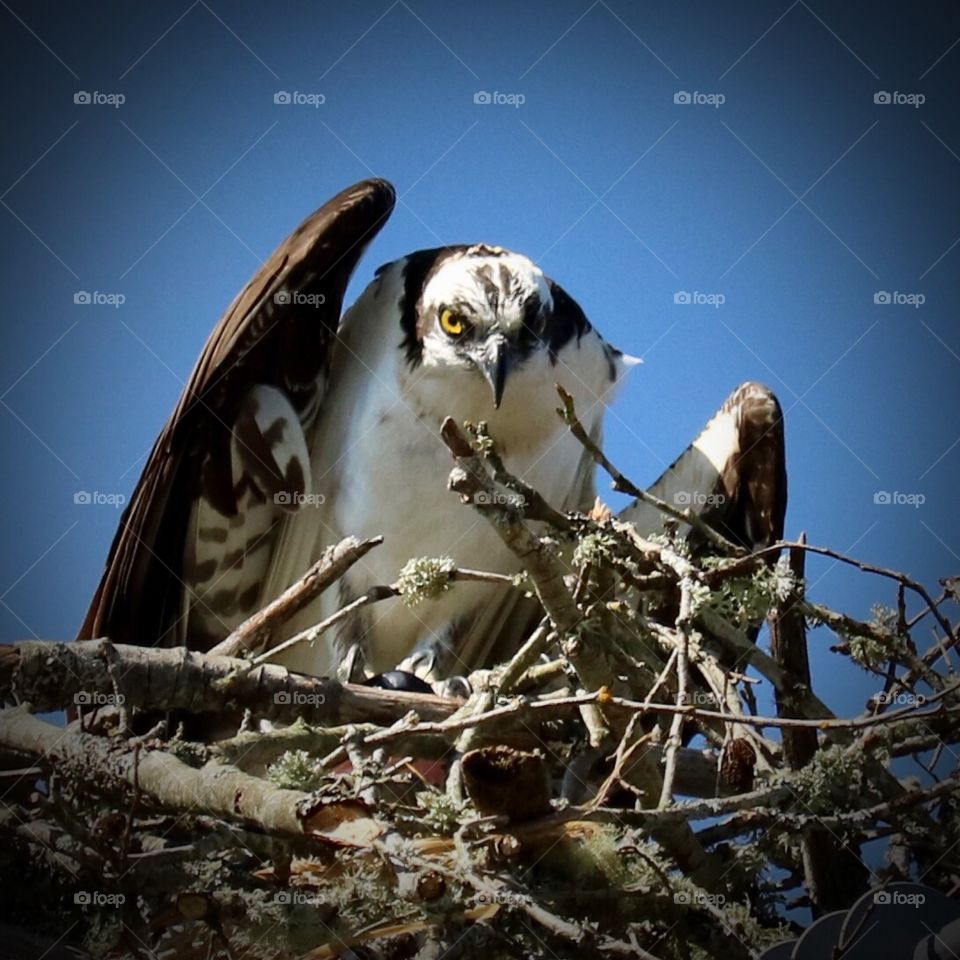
{"x": 610, "y": 790}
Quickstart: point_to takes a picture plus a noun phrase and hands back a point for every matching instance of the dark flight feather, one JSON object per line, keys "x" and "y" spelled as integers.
{"x": 263, "y": 339}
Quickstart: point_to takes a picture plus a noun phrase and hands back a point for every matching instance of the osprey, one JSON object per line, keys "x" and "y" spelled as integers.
{"x": 299, "y": 427}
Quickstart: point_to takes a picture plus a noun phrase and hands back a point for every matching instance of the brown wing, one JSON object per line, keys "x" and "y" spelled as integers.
{"x": 755, "y": 478}
{"x": 734, "y": 474}
{"x": 277, "y": 332}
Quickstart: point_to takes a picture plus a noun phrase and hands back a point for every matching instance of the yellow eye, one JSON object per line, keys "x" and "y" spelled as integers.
{"x": 453, "y": 324}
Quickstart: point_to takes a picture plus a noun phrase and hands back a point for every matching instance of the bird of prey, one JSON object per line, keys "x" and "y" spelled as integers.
{"x": 300, "y": 426}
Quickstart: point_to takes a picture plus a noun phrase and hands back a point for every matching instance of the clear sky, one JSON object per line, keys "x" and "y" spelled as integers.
{"x": 782, "y": 187}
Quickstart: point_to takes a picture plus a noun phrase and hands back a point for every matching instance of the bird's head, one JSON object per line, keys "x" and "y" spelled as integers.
{"x": 487, "y": 337}
{"x": 483, "y": 310}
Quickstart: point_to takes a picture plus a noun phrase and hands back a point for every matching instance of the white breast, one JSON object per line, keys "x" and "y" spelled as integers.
{"x": 380, "y": 467}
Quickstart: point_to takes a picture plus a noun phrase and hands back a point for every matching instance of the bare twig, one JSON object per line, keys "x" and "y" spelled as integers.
{"x": 901, "y": 578}
{"x": 257, "y": 632}
{"x": 675, "y": 738}
{"x": 622, "y": 485}
{"x": 373, "y": 595}
{"x": 312, "y": 634}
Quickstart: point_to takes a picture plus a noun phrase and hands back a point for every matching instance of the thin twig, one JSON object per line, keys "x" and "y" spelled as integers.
{"x": 257, "y": 632}
{"x": 675, "y": 738}
{"x": 622, "y": 485}
{"x": 312, "y": 634}
{"x": 896, "y": 575}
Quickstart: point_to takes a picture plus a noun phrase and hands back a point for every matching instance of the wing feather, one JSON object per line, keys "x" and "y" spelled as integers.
{"x": 277, "y": 334}
{"x": 734, "y": 474}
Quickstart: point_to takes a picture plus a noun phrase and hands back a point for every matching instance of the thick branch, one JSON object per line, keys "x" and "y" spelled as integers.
{"x": 52, "y": 676}
{"x": 113, "y": 768}
{"x": 834, "y": 874}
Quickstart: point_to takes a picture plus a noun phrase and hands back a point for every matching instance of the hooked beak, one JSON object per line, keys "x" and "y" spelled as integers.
{"x": 495, "y": 364}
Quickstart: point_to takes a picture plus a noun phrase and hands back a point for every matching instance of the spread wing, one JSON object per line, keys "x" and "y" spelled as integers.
{"x": 195, "y": 540}
{"x": 734, "y": 474}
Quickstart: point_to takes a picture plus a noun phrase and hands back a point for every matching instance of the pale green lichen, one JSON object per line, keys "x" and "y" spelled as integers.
{"x": 745, "y": 601}
{"x": 599, "y": 853}
{"x": 440, "y": 812}
{"x": 784, "y": 582}
{"x": 481, "y": 440}
{"x": 883, "y": 618}
{"x": 871, "y": 653}
{"x": 363, "y": 896}
{"x": 304, "y": 916}
{"x": 878, "y": 644}
{"x": 672, "y": 538}
{"x": 296, "y": 770}
{"x": 188, "y": 752}
{"x": 835, "y": 776}
{"x": 699, "y": 593}
{"x": 875, "y": 651}
{"x": 603, "y": 549}
{"x": 425, "y": 578}
{"x": 596, "y": 549}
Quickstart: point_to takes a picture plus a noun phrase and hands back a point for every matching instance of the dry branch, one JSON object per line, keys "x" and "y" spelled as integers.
{"x": 469, "y": 478}
{"x": 358, "y": 800}
{"x": 835, "y": 876}
{"x": 53, "y": 676}
{"x": 116, "y": 770}
{"x": 622, "y": 485}
{"x": 259, "y": 630}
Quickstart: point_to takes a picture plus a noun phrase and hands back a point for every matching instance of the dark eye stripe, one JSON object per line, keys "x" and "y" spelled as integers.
{"x": 531, "y": 312}
{"x": 530, "y": 335}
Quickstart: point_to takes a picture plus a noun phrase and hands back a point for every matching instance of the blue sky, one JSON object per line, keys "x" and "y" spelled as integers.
{"x": 797, "y": 198}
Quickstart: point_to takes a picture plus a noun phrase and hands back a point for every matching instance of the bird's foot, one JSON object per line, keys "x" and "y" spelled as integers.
{"x": 423, "y": 664}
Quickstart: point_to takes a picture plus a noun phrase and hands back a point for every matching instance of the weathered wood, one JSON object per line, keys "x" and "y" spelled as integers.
{"x": 835, "y": 875}
{"x": 90, "y": 673}
{"x": 116, "y": 769}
